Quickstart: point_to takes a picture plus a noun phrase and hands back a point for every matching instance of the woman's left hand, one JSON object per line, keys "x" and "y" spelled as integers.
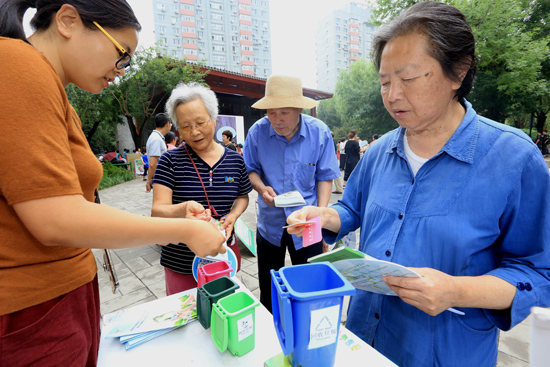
{"x": 228, "y": 222}
{"x": 433, "y": 293}
{"x": 194, "y": 210}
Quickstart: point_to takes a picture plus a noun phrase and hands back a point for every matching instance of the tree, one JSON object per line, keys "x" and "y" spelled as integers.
{"x": 328, "y": 114}
{"x": 537, "y": 22}
{"x": 513, "y": 44}
{"x": 97, "y": 116}
{"x": 359, "y": 102}
{"x": 385, "y": 10}
{"x": 510, "y": 57}
{"x": 143, "y": 91}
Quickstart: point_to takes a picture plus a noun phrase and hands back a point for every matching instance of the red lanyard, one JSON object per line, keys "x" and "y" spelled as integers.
{"x": 212, "y": 210}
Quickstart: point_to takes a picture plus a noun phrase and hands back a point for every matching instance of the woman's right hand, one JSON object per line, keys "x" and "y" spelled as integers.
{"x": 206, "y": 239}
{"x": 300, "y": 216}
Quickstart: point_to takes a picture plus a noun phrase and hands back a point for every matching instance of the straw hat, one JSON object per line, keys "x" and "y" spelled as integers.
{"x": 282, "y": 92}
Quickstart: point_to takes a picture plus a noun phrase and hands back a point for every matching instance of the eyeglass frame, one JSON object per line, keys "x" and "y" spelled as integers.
{"x": 189, "y": 128}
{"x": 125, "y": 65}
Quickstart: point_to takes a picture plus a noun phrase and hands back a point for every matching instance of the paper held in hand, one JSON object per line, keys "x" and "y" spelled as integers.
{"x": 289, "y": 199}
{"x": 365, "y": 272}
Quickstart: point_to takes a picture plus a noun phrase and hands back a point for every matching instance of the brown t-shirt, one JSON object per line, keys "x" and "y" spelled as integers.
{"x": 43, "y": 153}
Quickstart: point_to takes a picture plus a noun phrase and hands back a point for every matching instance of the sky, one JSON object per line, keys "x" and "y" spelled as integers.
{"x": 293, "y": 33}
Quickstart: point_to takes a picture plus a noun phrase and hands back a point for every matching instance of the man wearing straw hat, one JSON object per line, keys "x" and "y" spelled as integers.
{"x": 286, "y": 151}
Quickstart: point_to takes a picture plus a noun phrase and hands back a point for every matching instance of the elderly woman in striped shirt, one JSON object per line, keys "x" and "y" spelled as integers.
{"x": 201, "y": 179}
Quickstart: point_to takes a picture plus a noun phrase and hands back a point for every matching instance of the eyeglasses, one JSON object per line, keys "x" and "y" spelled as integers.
{"x": 124, "y": 61}
{"x": 198, "y": 125}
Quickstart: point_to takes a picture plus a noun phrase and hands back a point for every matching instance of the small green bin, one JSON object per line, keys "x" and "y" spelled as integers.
{"x": 209, "y": 294}
{"x": 233, "y": 323}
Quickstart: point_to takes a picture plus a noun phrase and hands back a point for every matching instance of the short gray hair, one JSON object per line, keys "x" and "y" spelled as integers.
{"x": 184, "y": 93}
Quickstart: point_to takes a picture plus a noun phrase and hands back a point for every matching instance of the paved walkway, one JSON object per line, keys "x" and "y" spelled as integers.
{"x": 142, "y": 277}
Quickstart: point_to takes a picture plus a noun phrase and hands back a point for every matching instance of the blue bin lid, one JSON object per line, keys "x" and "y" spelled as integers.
{"x": 315, "y": 280}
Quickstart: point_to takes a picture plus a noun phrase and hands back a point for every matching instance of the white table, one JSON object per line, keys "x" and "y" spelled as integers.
{"x": 191, "y": 345}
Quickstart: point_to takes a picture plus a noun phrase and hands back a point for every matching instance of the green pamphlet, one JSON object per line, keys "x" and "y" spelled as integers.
{"x": 341, "y": 253}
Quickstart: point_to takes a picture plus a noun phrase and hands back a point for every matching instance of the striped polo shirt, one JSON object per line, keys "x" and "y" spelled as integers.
{"x": 175, "y": 171}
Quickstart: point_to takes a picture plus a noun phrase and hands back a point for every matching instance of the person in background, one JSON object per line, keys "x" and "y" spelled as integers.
{"x": 426, "y": 197}
{"x": 352, "y": 154}
{"x": 49, "y": 221}
{"x": 544, "y": 142}
{"x": 240, "y": 149}
{"x": 200, "y": 179}
{"x": 119, "y": 158}
{"x": 286, "y": 151}
{"x": 156, "y": 145}
{"x": 375, "y": 137}
{"x": 227, "y": 136}
{"x": 338, "y": 189}
{"x": 145, "y": 160}
{"x": 342, "y": 148}
{"x": 538, "y": 140}
{"x": 364, "y": 148}
{"x": 171, "y": 140}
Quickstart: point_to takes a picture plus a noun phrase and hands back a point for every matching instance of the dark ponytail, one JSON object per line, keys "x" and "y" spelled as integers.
{"x": 114, "y": 14}
{"x": 11, "y": 17}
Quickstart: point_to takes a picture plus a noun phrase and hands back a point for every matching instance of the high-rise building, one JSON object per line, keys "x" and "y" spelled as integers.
{"x": 343, "y": 37}
{"x": 233, "y": 35}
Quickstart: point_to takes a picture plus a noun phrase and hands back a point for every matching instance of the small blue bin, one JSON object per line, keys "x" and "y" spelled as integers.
{"x": 307, "y": 306}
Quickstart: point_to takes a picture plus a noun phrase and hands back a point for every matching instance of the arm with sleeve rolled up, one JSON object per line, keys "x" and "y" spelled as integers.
{"x": 324, "y": 190}
{"x": 327, "y": 171}
{"x": 73, "y": 221}
{"x": 153, "y": 161}
{"x": 266, "y": 192}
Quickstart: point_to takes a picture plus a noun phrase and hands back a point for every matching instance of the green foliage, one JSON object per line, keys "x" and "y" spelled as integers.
{"x": 97, "y": 116}
{"x": 143, "y": 91}
{"x": 513, "y": 45}
{"x": 386, "y": 10}
{"x": 510, "y": 57}
{"x": 326, "y": 112}
{"x": 357, "y": 103}
{"x": 533, "y": 132}
{"x": 113, "y": 175}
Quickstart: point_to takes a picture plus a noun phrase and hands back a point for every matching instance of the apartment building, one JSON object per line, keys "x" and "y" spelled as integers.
{"x": 343, "y": 37}
{"x": 232, "y": 35}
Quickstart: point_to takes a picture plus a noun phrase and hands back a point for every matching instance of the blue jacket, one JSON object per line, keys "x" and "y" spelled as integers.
{"x": 480, "y": 206}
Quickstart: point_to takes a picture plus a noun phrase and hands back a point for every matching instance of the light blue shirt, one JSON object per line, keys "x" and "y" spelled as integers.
{"x": 156, "y": 145}
{"x": 298, "y": 164}
{"x": 480, "y": 206}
